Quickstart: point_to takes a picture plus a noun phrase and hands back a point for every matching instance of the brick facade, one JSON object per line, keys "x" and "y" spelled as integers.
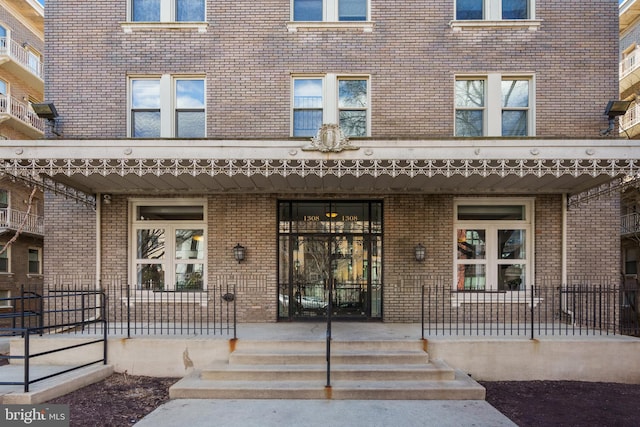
{"x": 412, "y": 56}
{"x": 248, "y": 58}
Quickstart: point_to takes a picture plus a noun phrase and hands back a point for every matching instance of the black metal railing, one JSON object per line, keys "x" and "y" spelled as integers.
{"x": 61, "y": 317}
{"x": 537, "y": 311}
{"x": 20, "y": 312}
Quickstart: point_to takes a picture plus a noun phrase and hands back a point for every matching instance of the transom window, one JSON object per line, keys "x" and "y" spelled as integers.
{"x": 330, "y": 10}
{"x": 167, "y": 106}
{"x": 492, "y": 245}
{"x": 331, "y": 99}
{"x": 167, "y": 10}
{"x": 493, "y": 10}
{"x": 493, "y": 105}
{"x": 169, "y": 245}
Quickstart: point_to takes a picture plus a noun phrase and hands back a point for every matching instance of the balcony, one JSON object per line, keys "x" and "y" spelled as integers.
{"x": 13, "y": 220}
{"x": 21, "y": 62}
{"x": 20, "y": 117}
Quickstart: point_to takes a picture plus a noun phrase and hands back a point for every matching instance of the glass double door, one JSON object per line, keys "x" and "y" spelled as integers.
{"x": 341, "y": 269}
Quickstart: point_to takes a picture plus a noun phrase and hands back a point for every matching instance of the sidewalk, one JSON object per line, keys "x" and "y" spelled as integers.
{"x": 322, "y": 413}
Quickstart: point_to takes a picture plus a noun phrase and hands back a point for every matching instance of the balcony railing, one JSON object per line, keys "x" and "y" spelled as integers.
{"x": 630, "y": 223}
{"x": 22, "y": 56}
{"x": 13, "y": 220}
{"x": 20, "y": 111}
{"x": 629, "y": 63}
{"x": 631, "y": 118}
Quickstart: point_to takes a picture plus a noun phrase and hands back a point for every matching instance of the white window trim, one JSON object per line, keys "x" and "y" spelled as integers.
{"x": 527, "y": 224}
{"x": 330, "y": 19}
{"x": 493, "y": 18}
{"x": 330, "y": 108}
{"x": 167, "y": 101}
{"x": 492, "y": 110}
{"x": 167, "y": 20}
{"x": 143, "y": 294}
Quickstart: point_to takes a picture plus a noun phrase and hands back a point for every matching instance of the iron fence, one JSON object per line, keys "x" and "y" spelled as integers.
{"x": 537, "y": 311}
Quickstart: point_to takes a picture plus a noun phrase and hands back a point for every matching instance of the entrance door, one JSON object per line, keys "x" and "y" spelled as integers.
{"x": 347, "y": 261}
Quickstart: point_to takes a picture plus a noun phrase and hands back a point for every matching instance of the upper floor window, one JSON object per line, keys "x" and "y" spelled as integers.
{"x": 35, "y": 261}
{"x": 493, "y": 105}
{"x": 330, "y": 10}
{"x": 4, "y": 199}
{"x": 167, "y": 106}
{"x": 331, "y": 99}
{"x": 167, "y": 10}
{"x": 493, "y": 10}
{"x": 4, "y": 259}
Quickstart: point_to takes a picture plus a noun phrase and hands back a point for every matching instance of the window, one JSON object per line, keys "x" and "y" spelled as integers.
{"x": 493, "y": 9}
{"x": 330, "y": 10}
{"x": 4, "y": 259}
{"x": 167, "y": 10}
{"x": 492, "y": 244}
{"x": 151, "y": 110}
{"x": 34, "y": 62}
{"x": 169, "y": 245}
{"x": 4, "y": 199}
{"x": 5, "y": 302}
{"x": 493, "y": 105}
{"x": 35, "y": 261}
{"x": 331, "y": 99}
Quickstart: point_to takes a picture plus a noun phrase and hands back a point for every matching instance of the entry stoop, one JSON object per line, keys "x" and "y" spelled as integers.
{"x": 371, "y": 370}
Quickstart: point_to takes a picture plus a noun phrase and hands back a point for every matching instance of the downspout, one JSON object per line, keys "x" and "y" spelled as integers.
{"x": 98, "y": 240}
{"x": 564, "y": 297}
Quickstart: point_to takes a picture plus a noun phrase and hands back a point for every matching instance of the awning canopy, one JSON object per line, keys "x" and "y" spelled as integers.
{"x": 487, "y": 166}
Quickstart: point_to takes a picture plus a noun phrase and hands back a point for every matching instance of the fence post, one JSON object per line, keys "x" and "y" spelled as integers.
{"x": 422, "y": 312}
{"x": 128, "y": 311}
{"x": 26, "y": 359}
{"x": 533, "y": 289}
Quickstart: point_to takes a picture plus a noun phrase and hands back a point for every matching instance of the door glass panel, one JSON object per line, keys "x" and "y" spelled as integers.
{"x": 330, "y": 246}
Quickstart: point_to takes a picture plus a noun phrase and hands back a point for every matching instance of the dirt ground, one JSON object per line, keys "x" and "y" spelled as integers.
{"x": 122, "y": 400}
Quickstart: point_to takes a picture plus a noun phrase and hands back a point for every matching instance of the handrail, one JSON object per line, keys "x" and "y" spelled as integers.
{"x": 28, "y": 331}
{"x": 328, "y": 350}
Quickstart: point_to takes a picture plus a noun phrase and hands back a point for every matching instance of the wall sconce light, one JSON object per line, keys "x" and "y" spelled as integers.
{"x": 239, "y": 252}
{"x": 420, "y": 252}
{"x": 46, "y": 110}
{"x": 106, "y": 199}
{"x": 613, "y": 110}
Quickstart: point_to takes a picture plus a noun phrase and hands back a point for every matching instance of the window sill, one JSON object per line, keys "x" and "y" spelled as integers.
{"x": 166, "y": 297}
{"x": 35, "y": 275}
{"x": 492, "y": 297}
{"x": 531, "y": 24}
{"x": 364, "y": 26}
{"x": 130, "y": 27}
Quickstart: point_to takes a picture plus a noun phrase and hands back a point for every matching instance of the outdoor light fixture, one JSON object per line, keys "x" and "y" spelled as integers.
{"x": 239, "y": 252}
{"x": 46, "y": 110}
{"x": 420, "y": 252}
{"x": 106, "y": 199}
{"x": 613, "y": 110}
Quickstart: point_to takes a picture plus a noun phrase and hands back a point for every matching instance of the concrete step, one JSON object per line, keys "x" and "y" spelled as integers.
{"x": 460, "y": 388}
{"x": 354, "y": 357}
{"x": 320, "y": 345}
{"x": 436, "y": 370}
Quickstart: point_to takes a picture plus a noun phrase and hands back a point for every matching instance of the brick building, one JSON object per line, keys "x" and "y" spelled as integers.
{"x": 332, "y": 140}
{"x": 21, "y": 84}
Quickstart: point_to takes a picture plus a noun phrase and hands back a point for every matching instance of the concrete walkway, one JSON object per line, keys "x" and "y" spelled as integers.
{"x": 322, "y": 413}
